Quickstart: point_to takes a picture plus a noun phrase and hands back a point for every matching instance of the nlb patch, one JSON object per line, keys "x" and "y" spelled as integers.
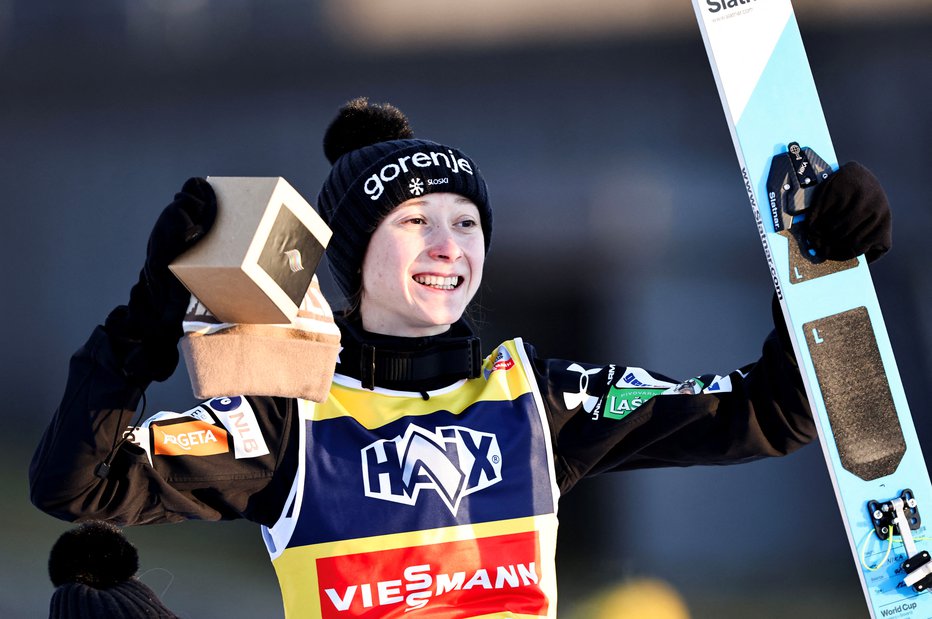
{"x": 240, "y": 420}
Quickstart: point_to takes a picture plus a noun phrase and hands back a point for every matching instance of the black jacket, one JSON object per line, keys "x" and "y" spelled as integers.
{"x": 601, "y": 418}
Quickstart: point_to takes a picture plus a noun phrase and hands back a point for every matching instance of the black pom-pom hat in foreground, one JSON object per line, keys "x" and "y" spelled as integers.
{"x": 93, "y": 568}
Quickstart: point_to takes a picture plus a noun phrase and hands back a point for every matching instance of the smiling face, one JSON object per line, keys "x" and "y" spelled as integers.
{"x": 422, "y": 267}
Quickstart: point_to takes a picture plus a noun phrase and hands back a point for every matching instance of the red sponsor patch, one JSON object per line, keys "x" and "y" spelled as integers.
{"x": 502, "y": 360}
{"x": 437, "y": 581}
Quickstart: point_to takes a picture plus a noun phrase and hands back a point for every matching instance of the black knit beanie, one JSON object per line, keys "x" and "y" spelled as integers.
{"x": 377, "y": 165}
{"x": 93, "y": 568}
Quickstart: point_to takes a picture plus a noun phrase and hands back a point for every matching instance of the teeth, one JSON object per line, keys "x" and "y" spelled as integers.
{"x": 438, "y": 281}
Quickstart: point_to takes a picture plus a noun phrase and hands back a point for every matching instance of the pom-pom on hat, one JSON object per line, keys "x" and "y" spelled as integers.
{"x": 93, "y": 568}
{"x": 377, "y": 165}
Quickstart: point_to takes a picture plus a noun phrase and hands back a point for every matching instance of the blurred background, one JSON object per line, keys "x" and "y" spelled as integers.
{"x": 622, "y": 234}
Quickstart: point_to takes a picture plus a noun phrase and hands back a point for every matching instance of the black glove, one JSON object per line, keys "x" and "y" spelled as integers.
{"x": 850, "y": 215}
{"x": 145, "y": 332}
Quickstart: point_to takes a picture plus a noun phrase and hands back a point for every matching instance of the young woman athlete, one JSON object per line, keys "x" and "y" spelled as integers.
{"x": 427, "y": 482}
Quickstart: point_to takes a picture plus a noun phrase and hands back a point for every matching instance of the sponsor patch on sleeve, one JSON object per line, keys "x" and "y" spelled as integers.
{"x": 239, "y": 419}
{"x": 622, "y": 402}
{"x": 692, "y": 386}
{"x": 636, "y": 386}
{"x": 633, "y": 388}
{"x": 189, "y": 438}
{"x": 720, "y": 384}
{"x": 146, "y": 437}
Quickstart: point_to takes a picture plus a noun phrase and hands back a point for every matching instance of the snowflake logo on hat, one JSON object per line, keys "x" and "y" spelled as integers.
{"x": 416, "y": 186}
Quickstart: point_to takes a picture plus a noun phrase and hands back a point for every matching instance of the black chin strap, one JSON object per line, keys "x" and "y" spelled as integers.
{"x": 456, "y": 359}
{"x": 410, "y": 364}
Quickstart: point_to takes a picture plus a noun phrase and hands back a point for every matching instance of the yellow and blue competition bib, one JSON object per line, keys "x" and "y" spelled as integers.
{"x": 413, "y": 507}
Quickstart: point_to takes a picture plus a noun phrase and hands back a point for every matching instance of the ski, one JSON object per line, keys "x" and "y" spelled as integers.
{"x": 831, "y": 309}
